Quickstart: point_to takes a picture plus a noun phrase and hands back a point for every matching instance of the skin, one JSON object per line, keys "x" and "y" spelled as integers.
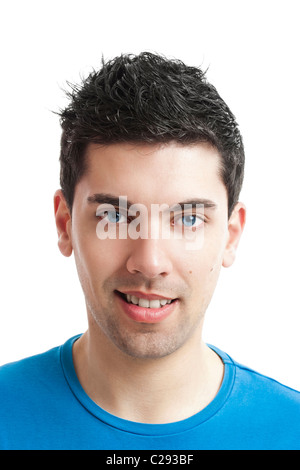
{"x": 149, "y": 372}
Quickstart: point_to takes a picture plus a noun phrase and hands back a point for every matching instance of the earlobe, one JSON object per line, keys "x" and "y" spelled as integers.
{"x": 63, "y": 223}
{"x": 236, "y": 225}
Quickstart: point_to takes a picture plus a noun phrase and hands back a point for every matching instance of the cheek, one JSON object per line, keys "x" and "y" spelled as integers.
{"x": 99, "y": 259}
{"x": 202, "y": 267}
{"x": 204, "y": 279}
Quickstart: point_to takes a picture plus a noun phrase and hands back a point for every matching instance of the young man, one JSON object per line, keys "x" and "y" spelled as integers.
{"x": 152, "y": 165}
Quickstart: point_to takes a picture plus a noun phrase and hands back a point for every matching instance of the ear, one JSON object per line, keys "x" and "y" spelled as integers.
{"x": 63, "y": 223}
{"x": 236, "y": 225}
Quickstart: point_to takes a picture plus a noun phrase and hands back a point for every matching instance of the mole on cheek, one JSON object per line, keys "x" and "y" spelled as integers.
{"x": 190, "y": 272}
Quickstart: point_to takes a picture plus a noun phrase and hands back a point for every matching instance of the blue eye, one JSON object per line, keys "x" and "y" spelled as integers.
{"x": 114, "y": 217}
{"x": 190, "y": 220}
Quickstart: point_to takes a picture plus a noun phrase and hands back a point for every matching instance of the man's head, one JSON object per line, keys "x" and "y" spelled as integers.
{"x": 148, "y": 99}
{"x": 154, "y": 131}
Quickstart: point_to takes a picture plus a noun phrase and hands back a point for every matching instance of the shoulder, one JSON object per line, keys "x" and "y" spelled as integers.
{"x": 28, "y": 373}
{"x": 253, "y": 391}
{"x": 34, "y": 400}
{"x": 28, "y": 364}
{"x": 260, "y": 412}
{"x": 269, "y": 395}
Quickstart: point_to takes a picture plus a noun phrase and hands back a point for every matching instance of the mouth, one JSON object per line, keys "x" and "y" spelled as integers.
{"x": 144, "y": 300}
{"x": 146, "y": 310}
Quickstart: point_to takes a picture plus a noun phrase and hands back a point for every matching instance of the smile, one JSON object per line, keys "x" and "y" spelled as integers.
{"x": 146, "y": 310}
{"x": 157, "y": 303}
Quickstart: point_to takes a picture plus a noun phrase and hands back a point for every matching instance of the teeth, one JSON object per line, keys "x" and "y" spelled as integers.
{"x": 133, "y": 299}
{"x": 144, "y": 303}
{"x": 154, "y": 304}
{"x": 147, "y": 303}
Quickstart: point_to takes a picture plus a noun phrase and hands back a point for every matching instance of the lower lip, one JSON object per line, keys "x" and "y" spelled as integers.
{"x": 147, "y": 315}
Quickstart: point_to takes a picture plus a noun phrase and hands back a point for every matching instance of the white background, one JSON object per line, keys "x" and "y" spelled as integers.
{"x": 252, "y": 51}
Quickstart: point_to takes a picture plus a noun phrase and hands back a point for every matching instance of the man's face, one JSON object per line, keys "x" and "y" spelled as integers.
{"x": 150, "y": 268}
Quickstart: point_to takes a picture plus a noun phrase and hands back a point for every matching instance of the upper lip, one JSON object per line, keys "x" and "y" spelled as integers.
{"x": 143, "y": 295}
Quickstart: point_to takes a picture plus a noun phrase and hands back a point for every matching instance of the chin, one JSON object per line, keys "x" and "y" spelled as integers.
{"x": 149, "y": 345}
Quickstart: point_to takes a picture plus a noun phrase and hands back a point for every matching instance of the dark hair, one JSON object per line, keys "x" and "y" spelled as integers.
{"x": 148, "y": 98}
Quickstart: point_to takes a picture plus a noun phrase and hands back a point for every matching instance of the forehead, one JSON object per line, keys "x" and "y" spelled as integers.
{"x": 153, "y": 173}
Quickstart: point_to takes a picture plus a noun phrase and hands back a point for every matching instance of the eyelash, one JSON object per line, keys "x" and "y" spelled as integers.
{"x": 180, "y": 217}
{"x": 130, "y": 218}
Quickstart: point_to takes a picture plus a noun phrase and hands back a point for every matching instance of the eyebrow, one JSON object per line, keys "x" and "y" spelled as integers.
{"x": 206, "y": 203}
{"x": 104, "y": 198}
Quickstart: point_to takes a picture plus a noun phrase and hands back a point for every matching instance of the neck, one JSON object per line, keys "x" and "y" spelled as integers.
{"x": 161, "y": 390}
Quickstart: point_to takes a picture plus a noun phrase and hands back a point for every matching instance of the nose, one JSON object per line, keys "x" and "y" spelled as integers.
{"x": 149, "y": 257}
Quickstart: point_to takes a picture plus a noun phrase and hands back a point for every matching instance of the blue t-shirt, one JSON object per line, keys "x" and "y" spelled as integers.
{"x": 43, "y": 406}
